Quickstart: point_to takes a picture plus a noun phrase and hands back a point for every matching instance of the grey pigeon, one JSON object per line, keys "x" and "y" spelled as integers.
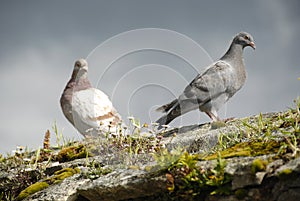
{"x": 212, "y": 89}
{"x": 88, "y": 109}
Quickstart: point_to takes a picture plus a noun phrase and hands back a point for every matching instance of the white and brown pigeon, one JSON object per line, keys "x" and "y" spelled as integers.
{"x": 88, "y": 109}
{"x": 213, "y": 88}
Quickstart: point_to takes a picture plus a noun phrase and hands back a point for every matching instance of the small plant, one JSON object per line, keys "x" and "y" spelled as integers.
{"x": 188, "y": 181}
{"x": 61, "y": 141}
{"x": 260, "y": 128}
{"x": 166, "y": 159}
{"x": 95, "y": 171}
{"x": 11, "y": 187}
{"x": 129, "y": 144}
{"x": 265, "y": 134}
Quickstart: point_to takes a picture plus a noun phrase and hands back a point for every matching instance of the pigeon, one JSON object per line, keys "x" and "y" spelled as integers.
{"x": 88, "y": 109}
{"x": 214, "y": 87}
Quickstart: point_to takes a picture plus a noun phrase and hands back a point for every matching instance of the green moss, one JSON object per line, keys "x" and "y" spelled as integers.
{"x": 134, "y": 167}
{"x": 73, "y": 152}
{"x": 258, "y": 165}
{"x": 285, "y": 174}
{"x": 71, "y": 170}
{"x": 63, "y": 174}
{"x": 240, "y": 193}
{"x": 253, "y": 148}
{"x": 149, "y": 168}
{"x": 56, "y": 178}
{"x": 38, "y": 186}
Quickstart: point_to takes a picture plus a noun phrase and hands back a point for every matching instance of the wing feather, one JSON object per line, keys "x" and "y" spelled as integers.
{"x": 210, "y": 84}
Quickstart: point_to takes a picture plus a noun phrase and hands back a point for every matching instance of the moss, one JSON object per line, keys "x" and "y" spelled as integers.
{"x": 253, "y": 148}
{"x": 72, "y": 170}
{"x": 38, "y": 186}
{"x": 73, "y": 152}
{"x": 240, "y": 193}
{"x": 134, "y": 167}
{"x": 63, "y": 174}
{"x": 285, "y": 174}
{"x": 258, "y": 165}
{"x": 149, "y": 168}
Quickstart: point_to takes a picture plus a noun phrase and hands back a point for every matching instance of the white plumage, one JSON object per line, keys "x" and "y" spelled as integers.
{"x": 93, "y": 109}
{"x": 88, "y": 109}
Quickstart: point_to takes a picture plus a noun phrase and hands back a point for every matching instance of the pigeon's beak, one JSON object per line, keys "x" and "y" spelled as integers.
{"x": 252, "y": 45}
{"x": 85, "y": 68}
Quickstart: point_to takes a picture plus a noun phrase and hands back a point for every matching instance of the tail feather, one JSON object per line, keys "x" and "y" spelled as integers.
{"x": 167, "y": 107}
{"x": 167, "y": 118}
{"x": 162, "y": 121}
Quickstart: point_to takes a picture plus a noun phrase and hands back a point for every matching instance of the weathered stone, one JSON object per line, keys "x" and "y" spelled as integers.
{"x": 246, "y": 178}
{"x": 66, "y": 190}
{"x": 124, "y": 184}
{"x": 278, "y": 180}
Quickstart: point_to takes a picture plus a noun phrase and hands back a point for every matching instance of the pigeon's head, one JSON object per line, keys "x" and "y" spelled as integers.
{"x": 80, "y": 65}
{"x": 244, "y": 39}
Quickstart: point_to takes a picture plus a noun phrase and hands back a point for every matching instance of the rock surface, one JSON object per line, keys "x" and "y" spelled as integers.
{"x": 279, "y": 179}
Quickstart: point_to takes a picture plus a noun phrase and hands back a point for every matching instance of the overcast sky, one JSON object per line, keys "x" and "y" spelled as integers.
{"x": 138, "y": 67}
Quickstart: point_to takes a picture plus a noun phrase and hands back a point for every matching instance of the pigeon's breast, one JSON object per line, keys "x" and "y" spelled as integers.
{"x": 236, "y": 78}
{"x": 92, "y": 109}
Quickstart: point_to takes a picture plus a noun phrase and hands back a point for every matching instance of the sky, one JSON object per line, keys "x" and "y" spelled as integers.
{"x": 142, "y": 54}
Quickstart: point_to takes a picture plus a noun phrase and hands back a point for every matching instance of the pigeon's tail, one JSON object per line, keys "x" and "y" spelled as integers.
{"x": 167, "y": 118}
{"x": 167, "y": 107}
{"x": 162, "y": 121}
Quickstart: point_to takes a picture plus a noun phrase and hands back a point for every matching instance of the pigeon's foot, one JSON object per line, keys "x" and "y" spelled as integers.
{"x": 220, "y": 123}
{"x": 228, "y": 119}
{"x": 217, "y": 124}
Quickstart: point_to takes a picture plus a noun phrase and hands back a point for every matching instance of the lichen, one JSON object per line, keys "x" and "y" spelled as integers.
{"x": 252, "y": 148}
{"x": 38, "y": 186}
{"x": 258, "y": 165}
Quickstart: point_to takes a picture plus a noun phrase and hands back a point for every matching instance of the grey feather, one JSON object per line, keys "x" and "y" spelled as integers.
{"x": 210, "y": 90}
{"x": 167, "y": 107}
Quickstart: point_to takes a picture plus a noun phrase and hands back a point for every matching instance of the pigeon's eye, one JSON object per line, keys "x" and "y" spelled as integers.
{"x": 246, "y": 37}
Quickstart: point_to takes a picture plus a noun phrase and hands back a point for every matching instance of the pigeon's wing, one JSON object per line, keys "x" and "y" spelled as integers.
{"x": 215, "y": 81}
{"x": 94, "y": 109}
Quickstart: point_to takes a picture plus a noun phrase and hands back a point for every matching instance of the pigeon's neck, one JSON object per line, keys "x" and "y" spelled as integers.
{"x": 234, "y": 56}
{"x": 234, "y": 53}
{"x": 79, "y": 81}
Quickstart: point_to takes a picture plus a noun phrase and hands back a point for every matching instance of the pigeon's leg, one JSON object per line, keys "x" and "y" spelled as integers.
{"x": 213, "y": 116}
